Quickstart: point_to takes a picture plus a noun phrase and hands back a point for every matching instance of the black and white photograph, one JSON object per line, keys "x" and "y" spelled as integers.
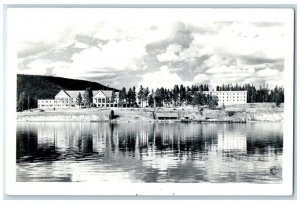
{"x": 137, "y": 96}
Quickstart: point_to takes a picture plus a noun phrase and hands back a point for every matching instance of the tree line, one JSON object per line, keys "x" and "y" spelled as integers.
{"x": 186, "y": 95}
{"x": 177, "y": 96}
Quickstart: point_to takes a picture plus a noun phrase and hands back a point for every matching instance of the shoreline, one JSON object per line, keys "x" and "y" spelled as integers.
{"x": 231, "y": 114}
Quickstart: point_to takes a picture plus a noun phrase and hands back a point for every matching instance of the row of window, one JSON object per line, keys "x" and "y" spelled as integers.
{"x": 47, "y": 105}
{"x": 232, "y": 97}
{"x": 229, "y": 95}
{"x": 232, "y": 100}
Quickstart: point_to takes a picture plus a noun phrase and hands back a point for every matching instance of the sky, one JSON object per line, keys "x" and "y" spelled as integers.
{"x": 150, "y": 47}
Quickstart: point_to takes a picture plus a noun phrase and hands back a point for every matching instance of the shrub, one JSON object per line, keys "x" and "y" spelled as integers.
{"x": 230, "y": 113}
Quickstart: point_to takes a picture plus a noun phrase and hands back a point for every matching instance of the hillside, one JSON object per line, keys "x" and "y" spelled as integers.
{"x": 46, "y": 87}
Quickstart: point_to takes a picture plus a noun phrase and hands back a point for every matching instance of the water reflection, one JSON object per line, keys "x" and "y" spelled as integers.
{"x": 149, "y": 152}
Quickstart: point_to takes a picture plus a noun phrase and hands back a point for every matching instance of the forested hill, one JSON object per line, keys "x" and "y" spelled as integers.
{"x": 46, "y": 87}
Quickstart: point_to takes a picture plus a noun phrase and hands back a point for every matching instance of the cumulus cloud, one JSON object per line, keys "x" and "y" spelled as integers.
{"x": 80, "y": 45}
{"x": 267, "y": 72}
{"x": 162, "y": 78}
{"x": 180, "y": 48}
{"x": 116, "y": 55}
{"x": 113, "y": 56}
{"x": 171, "y": 54}
{"x": 200, "y": 79}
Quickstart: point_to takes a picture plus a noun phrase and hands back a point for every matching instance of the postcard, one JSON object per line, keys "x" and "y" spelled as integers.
{"x": 149, "y": 101}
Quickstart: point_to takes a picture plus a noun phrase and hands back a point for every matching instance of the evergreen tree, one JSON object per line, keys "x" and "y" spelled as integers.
{"x": 175, "y": 95}
{"x": 141, "y": 95}
{"x": 88, "y": 97}
{"x": 158, "y": 98}
{"x": 189, "y": 98}
{"x": 212, "y": 101}
{"x": 133, "y": 97}
{"x": 129, "y": 97}
{"x": 146, "y": 94}
{"x": 79, "y": 99}
{"x": 122, "y": 97}
{"x": 151, "y": 99}
{"x": 198, "y": 99}
{"x": 113, "y": 97}
{"x": 182, "y": 93}
{"x": 22, "y": 103}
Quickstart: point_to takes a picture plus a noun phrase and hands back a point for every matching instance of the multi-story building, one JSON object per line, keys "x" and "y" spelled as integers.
{"x": 229, "y": 97}
{"x": 104, "y": 99}
{"x": 67, "y": 99}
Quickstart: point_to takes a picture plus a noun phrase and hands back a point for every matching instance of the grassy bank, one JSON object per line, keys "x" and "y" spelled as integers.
{"x": 244, "y": 112}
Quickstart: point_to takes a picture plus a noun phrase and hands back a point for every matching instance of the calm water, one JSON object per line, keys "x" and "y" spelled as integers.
{"x": 149, "y": 152}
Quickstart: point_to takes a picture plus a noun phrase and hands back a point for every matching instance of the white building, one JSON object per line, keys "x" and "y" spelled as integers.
{"x": 104, "y": 99}
{"x": 229, "y": 97}
{"x": 67, "y": 99}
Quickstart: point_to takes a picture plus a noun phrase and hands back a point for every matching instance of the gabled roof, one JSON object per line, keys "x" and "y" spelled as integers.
{"x": 74, "y": 94}
{"x": 108, "y": 94}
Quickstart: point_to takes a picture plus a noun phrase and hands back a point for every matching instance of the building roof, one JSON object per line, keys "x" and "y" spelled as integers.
{"x": 108, "y": 94}
{"x": 74, "y": 94}
{"x": 167, "y": 115}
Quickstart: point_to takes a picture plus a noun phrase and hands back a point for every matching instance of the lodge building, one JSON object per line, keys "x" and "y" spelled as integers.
{"x": 67, "y": 99}
{"x": 229, "y": 97}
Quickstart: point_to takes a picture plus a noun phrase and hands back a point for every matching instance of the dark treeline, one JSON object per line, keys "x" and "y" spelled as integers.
{"x": 185, "y": 95}
{"x": 178, "y": 96}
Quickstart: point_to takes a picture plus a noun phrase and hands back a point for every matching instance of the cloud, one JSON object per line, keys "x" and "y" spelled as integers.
{"x": 238, "y": 40}
{"x": 80, "y": 45}
{"x": 200, "y": 79}
{"x": 162, "y": 78}
{"x": 113, "y": 55}
{"x": 41, "y": 67}
{"x": 267, "y": 72}
{"x": 181, "y": 47}
{"x": 171, "y": 54}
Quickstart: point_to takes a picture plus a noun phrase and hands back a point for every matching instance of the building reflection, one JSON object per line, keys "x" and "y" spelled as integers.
{"x": 231, "y": 141}
{"x": 151, "y": 152}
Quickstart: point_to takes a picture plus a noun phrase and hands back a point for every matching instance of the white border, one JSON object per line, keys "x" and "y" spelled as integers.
{"x": 18, "y": 188}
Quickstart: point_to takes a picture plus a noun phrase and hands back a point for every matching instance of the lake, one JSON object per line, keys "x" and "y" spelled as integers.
{"x": 149, "y": 152}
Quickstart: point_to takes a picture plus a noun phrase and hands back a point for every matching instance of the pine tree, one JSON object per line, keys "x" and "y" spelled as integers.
{"x": 146, "y": 94}
{"x": 158, "y": 98}
{"x": 88, "y": 97}
{"x": 175, "y": 95}
{"x": 122, "y": 97}
{"x": 141, "y": 95}
{"x": 129, "y": 97}
{"x": 22, "y": 103}
{"x": 182, "y": 93}
{"x": 151, "y": 99}
{"x": 133, "y": 97}
{"x": 113, "y": 97}
{"x": 79, "y": 99}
